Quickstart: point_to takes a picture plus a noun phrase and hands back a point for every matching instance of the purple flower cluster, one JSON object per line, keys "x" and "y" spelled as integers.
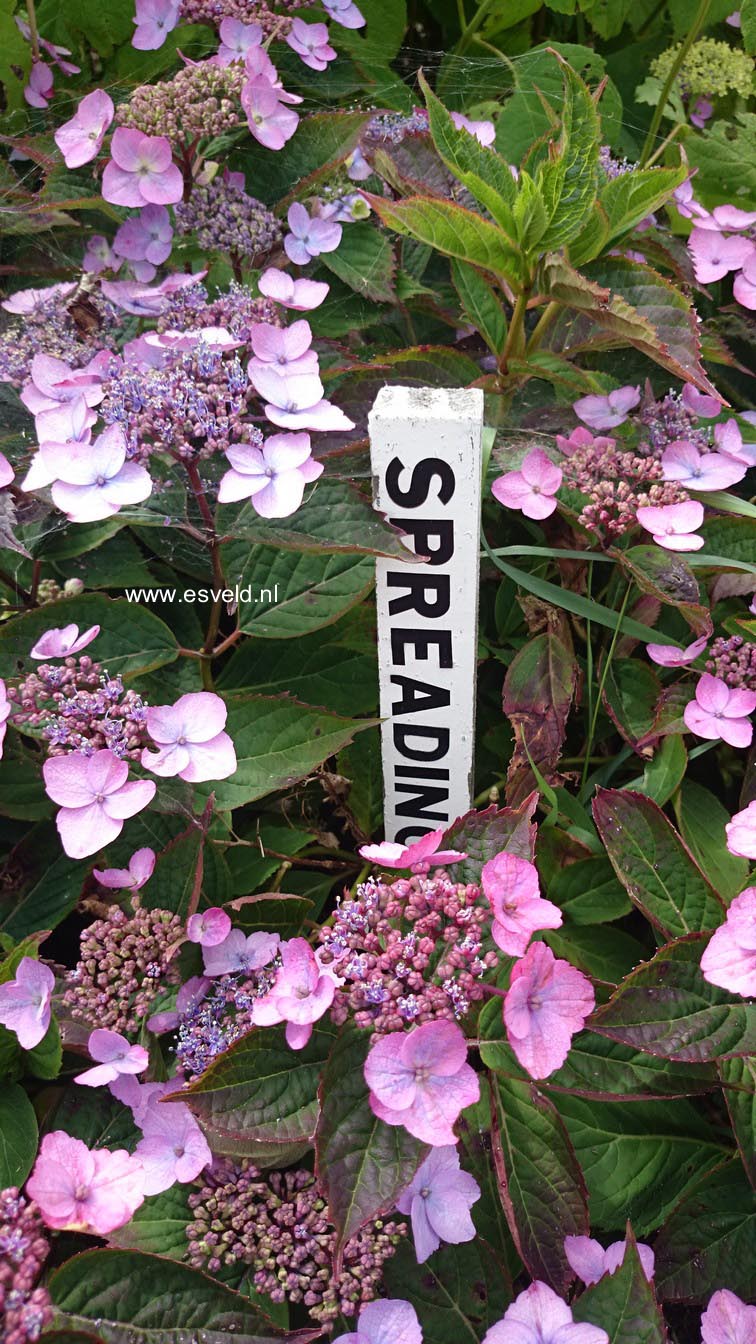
{"x": 408, "y": 952}
{"x": 78, "y": 707}
{"x": 25, "y": 1309}
{"x": 611, "y": 165}
{"x": 124, "y": 962}
{"x": 668, "y": 420}
{"x": 734, "y": 661}
{"x": 193, "y": 405}
{"x": 200, "y": 102}
{"x": 237, "y": 310}
{"x": 225, "y": 219}
{"x": 211, "y": 1024}
{"x": 277, "y": 1223}
{"x": 53, "y": 324}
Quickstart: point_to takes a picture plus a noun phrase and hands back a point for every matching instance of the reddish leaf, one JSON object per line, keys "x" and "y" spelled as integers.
{"x": 538, "y": 691}
{"x": 483, "y": 835}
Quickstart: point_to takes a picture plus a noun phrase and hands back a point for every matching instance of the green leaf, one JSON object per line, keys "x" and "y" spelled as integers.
{"x": 524, "y": 121}
{"x": 276, "y": 912}
{"x": 624, "y": 302}
{"x": 45, "y": 1059}
{"x": 667, "y": 1008}
{"x": 638, "y": 1160}
{"x": 15, "y": 62}
{"x": 726, "y": 161}
{"x": 278, "y": 742}
{"x": 605, "y": 953}
{"x": 568, "y": 181}
{"x": 337, "y": 516}
{"x": 484, "y": 172}
{"x": 541, "y": 1184}
{"x": 483, "y": 835}
{"x": 604, "y": 1070}
{"x": 131, "y": 639}
{"x": 738, "y": 1077}
{"x": 49, "y": 884}
{"x": 702, "y": 819}
{"x": 731, "y": 538}
{"x": 709, "y": 1241}
{"x": 130, "y": 1296}
{"x": 538, "y": 693}
{"x": 481, "y": 305}
{"x": 458, "y": 1293}
{"x": 159, "y": 1225}
{"x": 656, "y": 868}
{"x": 323, "y": 139}
{"x": 748, "y": 24}
{"x": 623, "y": 1304}
{"x": 363, "y": 1164}
{"x": 307, "y": 590}
{"x": 630, "y": 692}
{"x": 365, "y": 261}
{"x": 574, "y": 602}
{"x": 664, "y": 772}
{"x": 451, "y": 229}
{"x": 172, "y": 883}
{"x": 18, "y": 1135}
{"x": 588, "y": 892}
{"x": 625, "y": 201}
{"x": 260, "y": 1097}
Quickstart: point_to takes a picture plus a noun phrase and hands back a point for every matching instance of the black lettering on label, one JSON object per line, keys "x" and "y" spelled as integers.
{"x": 421, "y": 641}
{"x": 423, "y": 475}
{"x": 418, "y": 696}
{"x": 414, "y": 599}
{"x": 423, "y": 798}
{"x": 404, "y": 733}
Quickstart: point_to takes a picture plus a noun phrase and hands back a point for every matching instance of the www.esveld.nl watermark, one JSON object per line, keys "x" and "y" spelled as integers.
{"x": 245, "y": 594}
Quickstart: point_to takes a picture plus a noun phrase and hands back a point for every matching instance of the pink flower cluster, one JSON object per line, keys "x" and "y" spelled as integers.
{"x": 730, "y": 957}
{"x": 720, "y": 244}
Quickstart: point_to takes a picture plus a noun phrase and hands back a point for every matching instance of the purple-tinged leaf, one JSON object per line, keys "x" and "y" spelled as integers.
{"x": 260, "y": 1098}
{"x": 666, "y": 1008}
{"x": 483, "y": 835}
{"x": 540, "y": 1181}
{"x": 654, "y": 865}
{"x": 128, "y": 1295}
{"x": 538, "y": 691}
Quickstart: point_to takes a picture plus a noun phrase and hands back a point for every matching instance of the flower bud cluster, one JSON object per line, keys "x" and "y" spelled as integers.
{"x": 247, "y": 11}
{"x": 617, "y": 484}
{"x": 124, "y": 962}
{"x": 225, "y": 219}
{"x": 710, "y": 67}
{"x": 200, "y": 102}
{"x": 78, "y": 706}
{"x": 277, "y": 1223}
{"x": 238, "y": 310}
{"x": 409, "y": 952}
{"x": 25, "y": 1309}
{"x": 734, "y": 661}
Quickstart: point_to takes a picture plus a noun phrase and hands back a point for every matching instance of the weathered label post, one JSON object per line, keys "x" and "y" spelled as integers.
{"x": 425, "y": 450}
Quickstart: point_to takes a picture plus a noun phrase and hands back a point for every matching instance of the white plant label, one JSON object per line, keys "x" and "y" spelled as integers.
{"x": 425, "y": 448}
